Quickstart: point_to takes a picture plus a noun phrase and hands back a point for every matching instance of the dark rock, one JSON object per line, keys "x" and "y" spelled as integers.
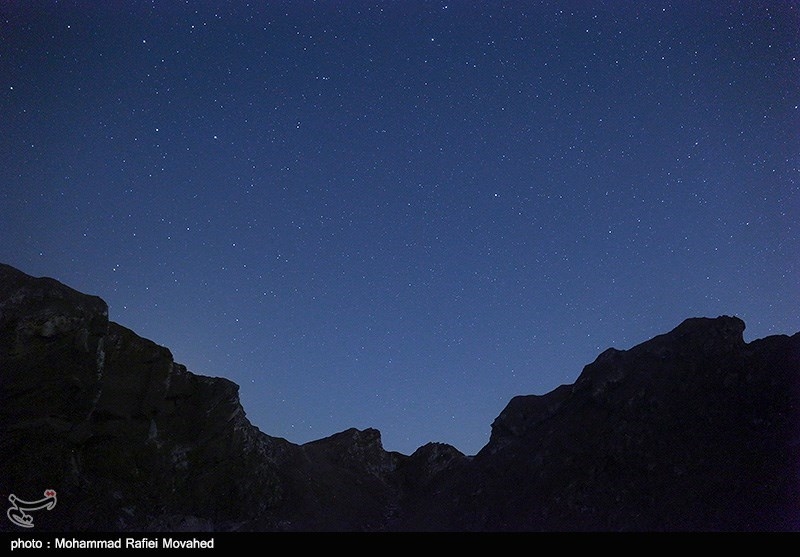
{"x": 112, "y": 421}
{"x": 692, "y": 430}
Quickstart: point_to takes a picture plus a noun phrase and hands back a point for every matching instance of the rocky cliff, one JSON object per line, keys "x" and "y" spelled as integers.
{"x": 692, "y": 430}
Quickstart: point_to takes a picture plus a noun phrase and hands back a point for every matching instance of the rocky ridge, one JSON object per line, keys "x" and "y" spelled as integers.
{"x": 692, "y": 430}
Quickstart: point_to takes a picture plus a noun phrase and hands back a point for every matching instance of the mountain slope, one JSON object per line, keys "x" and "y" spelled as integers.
{"x": 692, "y": 430}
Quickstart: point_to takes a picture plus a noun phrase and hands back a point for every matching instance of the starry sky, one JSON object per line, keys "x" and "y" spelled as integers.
{"x": 402, "y": 214}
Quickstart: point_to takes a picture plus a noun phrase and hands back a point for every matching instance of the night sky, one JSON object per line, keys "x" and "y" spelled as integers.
{"x": 402, "y": 214}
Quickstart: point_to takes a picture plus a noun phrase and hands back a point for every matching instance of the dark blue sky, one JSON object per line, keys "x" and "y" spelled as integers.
{"x": 402, "y": 214}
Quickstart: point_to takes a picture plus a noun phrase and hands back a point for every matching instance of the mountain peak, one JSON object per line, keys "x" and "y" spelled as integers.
{"x": 691, "y": 430}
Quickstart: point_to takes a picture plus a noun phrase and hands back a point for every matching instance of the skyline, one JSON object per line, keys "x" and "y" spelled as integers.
{"x": 401, "y": 215}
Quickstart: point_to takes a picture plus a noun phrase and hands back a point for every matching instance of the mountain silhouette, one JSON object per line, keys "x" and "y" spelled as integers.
{"x": 693, "y": 430}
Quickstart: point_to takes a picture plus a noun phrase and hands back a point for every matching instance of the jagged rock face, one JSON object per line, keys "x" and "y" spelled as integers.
{"x": 51, "y": 357}
{"x": 131, "y": 440}
{"x": 111, "y": 421}
{"x": 693, "y": 430}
